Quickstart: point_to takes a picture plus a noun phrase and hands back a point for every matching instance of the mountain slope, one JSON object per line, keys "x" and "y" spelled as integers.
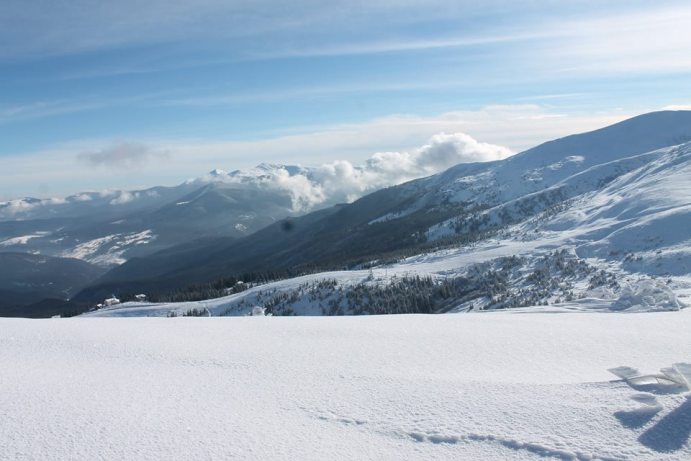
{"x": 26, "y": 279}
{"x": 603, "y": 247}
{"x": 489, "y": 184}
{"x": 109, "y": 228}
{"x": 112, "y": 227}
{"x": 642, "y": 217}
{"x": 462, "y": 204}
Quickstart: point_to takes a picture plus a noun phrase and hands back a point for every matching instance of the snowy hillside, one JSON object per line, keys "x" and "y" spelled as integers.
{"x": 596, "y": 230}
{"x": 490, "y": 184}
{"x": 617, "y": 238}
{"x": 633, "y": 191}
{"x": 497, "y": 274}
{"x": 481, "y": 386}
{"x": 641, "y": 218}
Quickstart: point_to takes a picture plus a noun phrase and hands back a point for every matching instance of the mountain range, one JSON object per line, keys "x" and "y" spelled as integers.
{"x": 110, "y": 227}
{"x": 617, "y": 195}
{"x": 464, "y": 203}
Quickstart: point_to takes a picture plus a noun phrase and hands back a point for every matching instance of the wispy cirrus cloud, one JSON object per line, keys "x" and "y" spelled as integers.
{"x": 40, "y": 109}
{"x": 642, "y": 38}
{"x": 401, "y": 45}
{"x": 63, "y": 106}
{"x": 309, "y": 28}
{"x": 209, "y": 77}
{"x": 295, "y": 93}
{"x": 648, "y": 40}
{"x": 90, "y": 26}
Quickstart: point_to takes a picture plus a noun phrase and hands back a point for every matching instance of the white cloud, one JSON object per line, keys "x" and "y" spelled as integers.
{"x": 82, "y": 198}
{"x": 388, "y": 168}
{"x": 341, "y": 181}
{"x": 652, "y": 40}
{"x": 677, "y": 107}
{"x": 13, "y": 207}
{"x": 334, "y": 182}
{"x": 56, "y": 172}
{"x": 516, "y": 126}
{"x": 124, "y": 197}
{"x": 121, "y": 155}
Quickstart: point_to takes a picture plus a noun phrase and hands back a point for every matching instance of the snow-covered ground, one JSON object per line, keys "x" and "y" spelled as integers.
{"x": 636, "y": 289}
{"x": 478, "y": 386}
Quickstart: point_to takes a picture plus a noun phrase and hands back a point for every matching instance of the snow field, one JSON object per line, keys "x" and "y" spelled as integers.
{"x": 478, "y": 386}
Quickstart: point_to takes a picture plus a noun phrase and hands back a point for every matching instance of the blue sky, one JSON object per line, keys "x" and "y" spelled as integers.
{"x": 207, "y": 83}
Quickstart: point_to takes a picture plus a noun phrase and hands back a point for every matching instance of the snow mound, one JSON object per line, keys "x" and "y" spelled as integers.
{"x": 647, "y": 295}
{"x": 258, "y": 311}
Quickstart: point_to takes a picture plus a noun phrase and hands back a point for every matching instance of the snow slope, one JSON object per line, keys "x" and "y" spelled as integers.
{"x": 490, "y": 184}
{"x": 305, "y": 295}
{"x": 480, "y": 386}
{"x": 626, "y": 223}
{"x": 645, "y": 214}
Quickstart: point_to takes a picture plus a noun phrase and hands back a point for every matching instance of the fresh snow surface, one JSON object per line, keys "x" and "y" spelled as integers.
{"x": 489, "y": 386}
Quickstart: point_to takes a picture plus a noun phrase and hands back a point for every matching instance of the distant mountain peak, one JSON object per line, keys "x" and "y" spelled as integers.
{"x": 269, "y": 166}
{"x": 273, "y": 167}
{"x": 217, "y": 172}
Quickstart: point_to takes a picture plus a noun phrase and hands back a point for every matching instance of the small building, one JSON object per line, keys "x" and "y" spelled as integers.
{"x": 111, "y": 301}
{"x": 140, "y": 298}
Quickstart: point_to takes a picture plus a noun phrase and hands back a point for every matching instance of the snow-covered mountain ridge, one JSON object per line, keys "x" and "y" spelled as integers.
{"x": 492, "y": 184}
{"x": 111, "y": 227}
{"x": 614, "y": 235}
{"x": 109, "y": 203}
{"x": 107, "y": 228}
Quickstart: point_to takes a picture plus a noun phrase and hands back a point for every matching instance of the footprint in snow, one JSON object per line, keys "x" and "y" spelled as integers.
{"x": 642, "y": 415}
{"x": 671, "y": 433}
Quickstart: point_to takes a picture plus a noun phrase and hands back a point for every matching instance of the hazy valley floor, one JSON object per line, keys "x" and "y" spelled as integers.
{"x": 474, "y": 386}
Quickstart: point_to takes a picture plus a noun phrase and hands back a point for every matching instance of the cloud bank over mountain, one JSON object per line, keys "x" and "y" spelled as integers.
{"x": 342, "y": 181}
{"x": 169, "y": 160}
{"x": 309, "y": 187}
